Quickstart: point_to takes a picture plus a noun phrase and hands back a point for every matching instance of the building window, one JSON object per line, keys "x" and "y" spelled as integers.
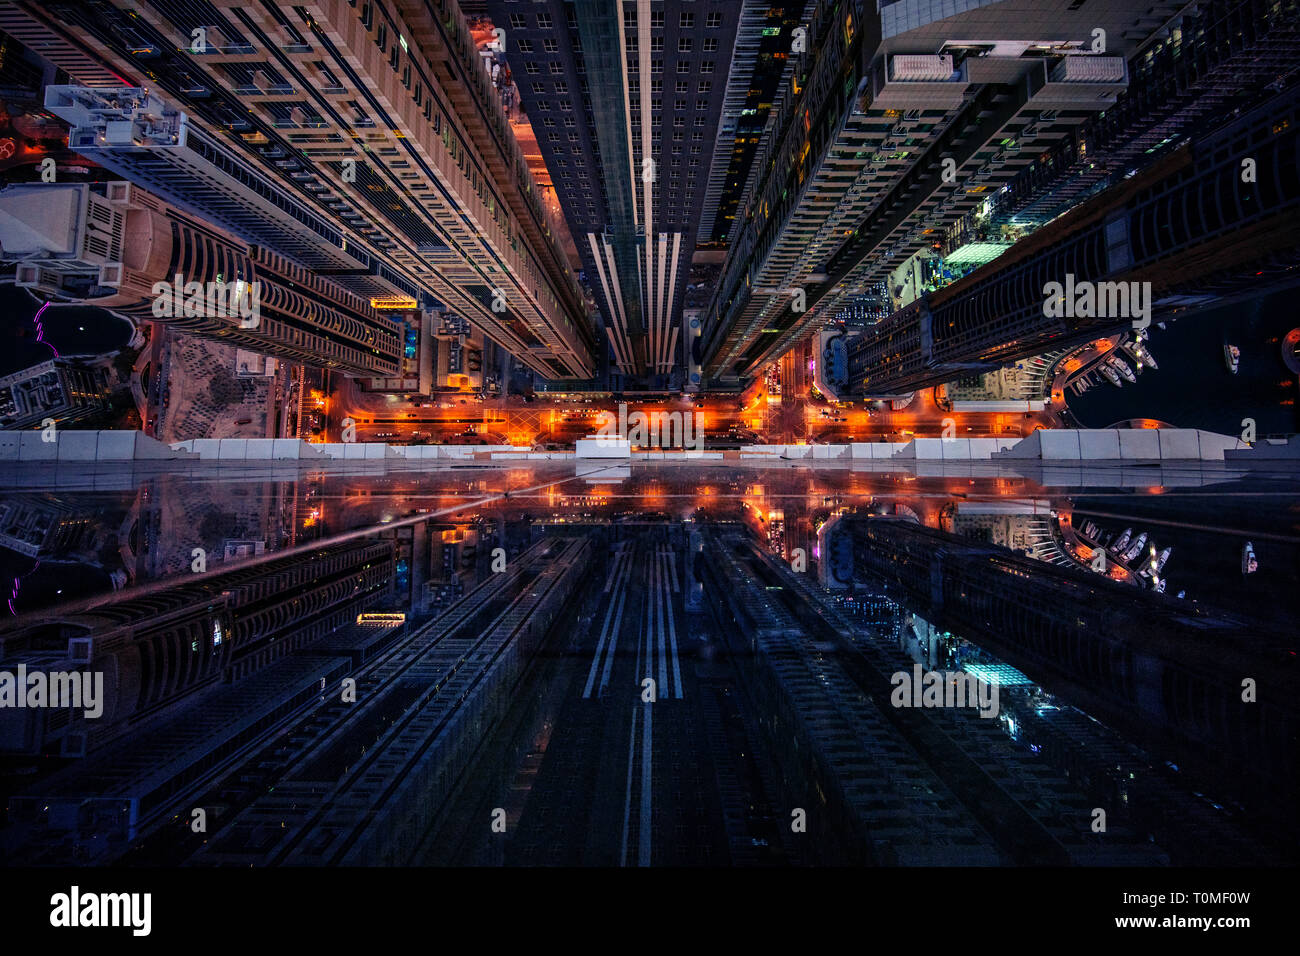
{"x": 706, "y": 86}
{"x": 543, "y": 21}
{"x": 713, "y": 20}
{"x": 710, "y": 44}
{"x": 686, "y": 21}
{"x": 656, "y": 44}
{"x": 683, "y": 44}
{"x": 657, "y": 19}
{"x": 683, "y": 86}
{"x": 706, "y": 66}
{"x": 531, "y": 68}
{"x": 556, "y": 67}
{"x": 517, "y": 21}
{"x": 683, "y": 66}
{"x": 551, "y": 45}
{"x": 525, "y": 46}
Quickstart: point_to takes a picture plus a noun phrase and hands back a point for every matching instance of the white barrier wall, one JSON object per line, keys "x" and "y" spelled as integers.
{"x": 1056, "y": 445}
{"x": 1123, "y": 444}
{"x": 86, "y": 446}
{"x": 603, "y": 448}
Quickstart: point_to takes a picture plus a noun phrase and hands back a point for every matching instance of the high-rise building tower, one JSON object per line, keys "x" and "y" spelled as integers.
{"x": 625, "y": 101}
{"x": 62, "y": 389}
{"x": 381, "y": 118}
{"x": 899, "y": 119}
{"x": 141, "y": 137}
{"x": 1214, "y": 220}
{"x": 109, "y": 245}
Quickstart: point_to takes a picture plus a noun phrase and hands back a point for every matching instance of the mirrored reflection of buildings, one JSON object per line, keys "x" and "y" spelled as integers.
{"x": 157, "y": 648}
{"x": 947, "y": 783}
{"x": 282, "y": 724}
{"x": 217, "y": 699}
{"x": 1203, "y": 687}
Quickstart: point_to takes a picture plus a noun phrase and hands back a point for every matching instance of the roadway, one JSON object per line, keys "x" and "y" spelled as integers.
{"x": 788, "y": 414}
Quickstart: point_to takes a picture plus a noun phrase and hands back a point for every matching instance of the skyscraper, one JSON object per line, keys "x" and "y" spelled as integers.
{"x": 64, "y": 390}
{"x": 380, "y": 116}
{"x": 898, "y": 121}
{"x": 1213, "y": 220}
{"x": 110, "y": 245}
{"x": 626, "y": 111}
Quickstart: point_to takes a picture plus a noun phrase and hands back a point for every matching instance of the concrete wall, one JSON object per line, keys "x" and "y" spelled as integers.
{"x": 1123, "y": 444}
{"x": 603, "y": 448}
{"x": 85, "y": 446}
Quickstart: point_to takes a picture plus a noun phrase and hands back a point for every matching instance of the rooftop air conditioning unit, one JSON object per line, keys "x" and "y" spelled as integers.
{"x": 914, "y": 67}
{"x": 1089, "y": 69}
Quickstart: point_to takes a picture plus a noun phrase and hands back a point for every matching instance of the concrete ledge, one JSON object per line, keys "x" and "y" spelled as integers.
{"x": 1122, "y": 444}
{"x": 603, "y": 448}
{"x": 33, "y": 447}
{"x": 107, "y": 445}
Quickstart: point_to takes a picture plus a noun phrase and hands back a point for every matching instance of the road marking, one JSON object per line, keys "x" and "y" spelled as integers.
{"x": 605, "y": 633}
{"x": 627, "y": 796}
{"x": 613, "y": 643}
{"x": 631, "y": 751}
{"x": 614, "y": 569}
{"x": 672, "y": 641}
{"x": 657, "y": 588}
